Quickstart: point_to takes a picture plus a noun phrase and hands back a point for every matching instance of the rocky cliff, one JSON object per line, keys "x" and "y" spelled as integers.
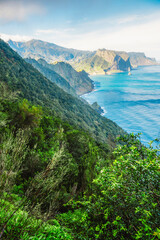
{"x": 140, "y": 59}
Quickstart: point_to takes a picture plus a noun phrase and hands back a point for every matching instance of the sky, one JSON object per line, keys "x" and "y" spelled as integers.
{"x": 85, "y": 24}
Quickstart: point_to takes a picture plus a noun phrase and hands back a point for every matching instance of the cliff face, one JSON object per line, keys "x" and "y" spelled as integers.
{"x": 139, "y": 59}
{"x": 104, "y": 61}
{"x": 117, "y": 61}
{"x": 119, "y": 64}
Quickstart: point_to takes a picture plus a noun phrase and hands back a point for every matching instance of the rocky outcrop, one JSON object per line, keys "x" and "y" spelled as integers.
{"x": 117, "y": 61}
{"x": 119, "y": 64}
{"x": 97, "y": 108}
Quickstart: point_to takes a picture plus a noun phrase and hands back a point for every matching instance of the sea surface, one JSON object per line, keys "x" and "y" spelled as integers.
{"x": 132, "y": 101}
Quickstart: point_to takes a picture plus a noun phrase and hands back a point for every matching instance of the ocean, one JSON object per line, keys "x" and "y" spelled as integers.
{"x": 132, "y": 101}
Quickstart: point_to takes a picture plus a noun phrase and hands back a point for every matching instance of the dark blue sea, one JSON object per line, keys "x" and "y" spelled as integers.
{"x": 132, "y": 101}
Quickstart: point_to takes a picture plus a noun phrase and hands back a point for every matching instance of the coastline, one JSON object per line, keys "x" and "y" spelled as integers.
{"x": 119, "y": 71}
{"x": 134, "y": 116}
{"x": 103, "y": 110}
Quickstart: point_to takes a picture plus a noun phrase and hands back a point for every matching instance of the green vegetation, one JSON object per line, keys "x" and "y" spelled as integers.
{"x": 56, "y": 181}
{"x": 22, "y": 226}
{"x": 125, "y": 199}
{"x": 93, "y": 64}
{"x": 44, "y": 162}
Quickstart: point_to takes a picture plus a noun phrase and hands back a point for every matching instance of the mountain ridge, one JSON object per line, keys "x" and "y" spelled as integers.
{"x": 93, "y": 62}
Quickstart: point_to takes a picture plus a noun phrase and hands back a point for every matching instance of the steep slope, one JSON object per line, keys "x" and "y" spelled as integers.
{"x": 52, "y": 75}
{"x": 140, "y": 59}
{"x": 79, "y": 81}
{"x": 120, "y": 64}
{"x": 105, "y": 61}
{"x": 20, "y": 75}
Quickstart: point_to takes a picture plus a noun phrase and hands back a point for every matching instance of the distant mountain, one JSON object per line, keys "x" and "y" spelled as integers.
{"x": 93, "y": 62}
{"x": 21, "y": 76}
{"x": 48, "y": 51}
{"x": 140, "y": 59}
{"x": 79, "y": 82}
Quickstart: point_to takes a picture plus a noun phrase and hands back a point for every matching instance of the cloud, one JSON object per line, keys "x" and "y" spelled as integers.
{"x": 17, "y": 10}
{"x": 135, "y": 33}
{"x": 130, "y": 33}
{"x": 55, "y": 31}
{"x": 57, "y": 36}
{"x": 18, "y": 38}
{"x": 128, "y": 19}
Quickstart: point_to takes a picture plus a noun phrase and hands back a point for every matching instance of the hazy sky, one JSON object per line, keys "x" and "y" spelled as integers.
{"x": 130, "y": 25}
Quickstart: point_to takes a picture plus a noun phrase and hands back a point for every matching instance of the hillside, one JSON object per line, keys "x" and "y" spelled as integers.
{"x": 20, "y": 75}
{"x": 52, "y": 75}
{"x": 93, "y": 65}
{"x": 93, "y": 62}
{"x": 79, "y": 82}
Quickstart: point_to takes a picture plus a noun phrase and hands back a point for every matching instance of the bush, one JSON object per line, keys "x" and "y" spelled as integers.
{"x": 125, "y": 203}
{"x": 22, "y": 226}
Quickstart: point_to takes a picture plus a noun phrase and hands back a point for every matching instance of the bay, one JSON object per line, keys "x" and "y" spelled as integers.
{"x": 132, "y": 101}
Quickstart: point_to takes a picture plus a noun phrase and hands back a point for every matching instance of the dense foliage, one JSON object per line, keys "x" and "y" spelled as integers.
{"x": 125, "y": 199}
{"x": 57, "y": 182}
{"x": 49, "y": 170}
{"x": 44, "y": 162}
{"x": 21, "y": 225}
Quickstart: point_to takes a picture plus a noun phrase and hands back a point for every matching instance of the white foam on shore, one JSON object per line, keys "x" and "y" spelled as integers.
{"x": 104, "y": 111}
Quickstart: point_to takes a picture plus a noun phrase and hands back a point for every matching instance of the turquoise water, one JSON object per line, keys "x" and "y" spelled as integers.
{"x": 133, "y": 102}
